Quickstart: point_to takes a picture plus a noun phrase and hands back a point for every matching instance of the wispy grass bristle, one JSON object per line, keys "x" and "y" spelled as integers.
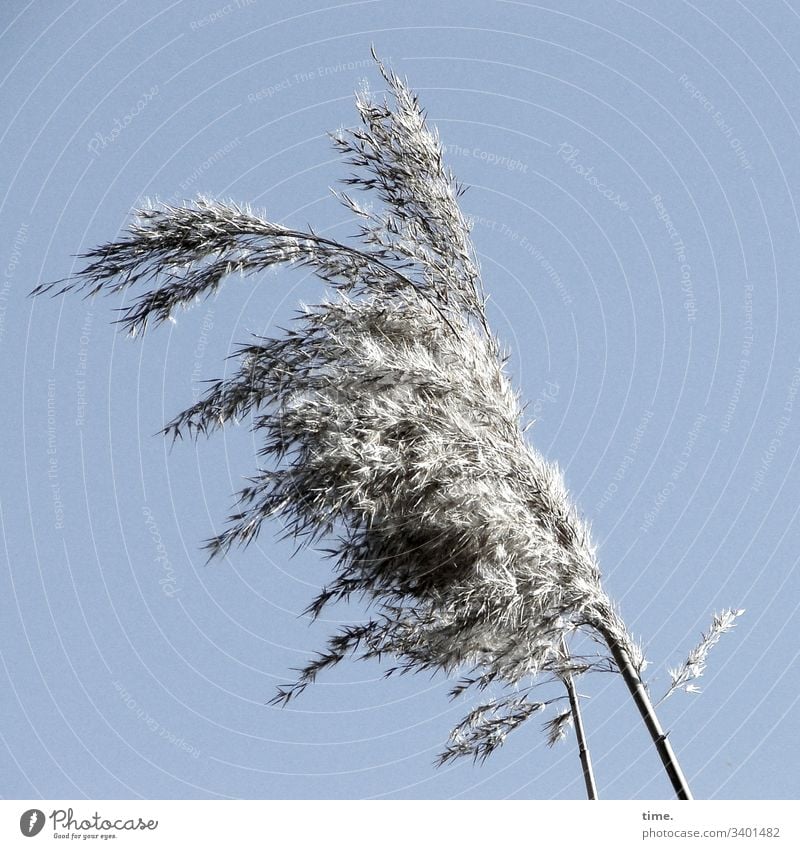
{"x": 694, "y": 666}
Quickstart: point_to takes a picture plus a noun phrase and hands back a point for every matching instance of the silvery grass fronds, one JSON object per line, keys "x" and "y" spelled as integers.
{"x": 694, "y": 666}
{"x": 389, "y": 427}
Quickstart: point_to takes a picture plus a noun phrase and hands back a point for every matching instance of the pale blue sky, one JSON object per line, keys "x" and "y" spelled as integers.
{"x": 632, "y": 171}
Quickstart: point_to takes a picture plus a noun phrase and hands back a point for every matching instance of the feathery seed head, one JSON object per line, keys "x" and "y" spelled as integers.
{"x": 390, "y": 421}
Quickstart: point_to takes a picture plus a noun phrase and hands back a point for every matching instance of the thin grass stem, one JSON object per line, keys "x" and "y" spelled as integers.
{"x": 580, "y": 733}
{"x": 644, "y": 705}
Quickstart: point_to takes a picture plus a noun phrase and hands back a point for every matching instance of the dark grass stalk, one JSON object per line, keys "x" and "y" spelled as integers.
{"x": 645, "y": 707}
{"x": 580, "y": 733}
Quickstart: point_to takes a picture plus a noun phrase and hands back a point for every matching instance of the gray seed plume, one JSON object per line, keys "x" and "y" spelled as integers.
{"x": 388, "y": 424}
{"x": 694, "y": 666}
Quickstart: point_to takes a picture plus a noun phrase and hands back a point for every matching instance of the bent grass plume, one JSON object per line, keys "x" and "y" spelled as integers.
{"x": 394, "y": 430}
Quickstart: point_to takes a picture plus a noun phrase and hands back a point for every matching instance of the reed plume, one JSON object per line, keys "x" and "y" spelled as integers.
{"x": 389, "y": 427}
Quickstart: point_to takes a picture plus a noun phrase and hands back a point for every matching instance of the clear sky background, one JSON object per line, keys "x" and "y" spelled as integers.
{"x": 633, "y": 173}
